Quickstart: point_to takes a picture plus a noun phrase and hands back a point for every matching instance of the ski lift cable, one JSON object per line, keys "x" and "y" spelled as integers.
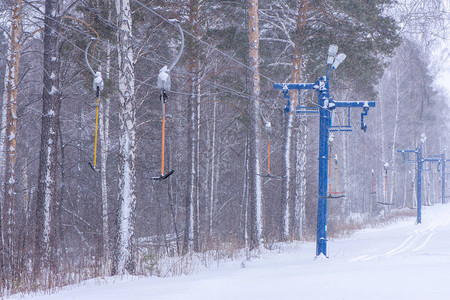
{"x": 370, "y": 148}
{"x": 231, "y": 90}
{"x": 153, "y": 60}
{"x": 160, "y": 62}
{"x": 242, "y": 94}
{"x": 365, "y": 143}
{"x": 204, "y": 43}
{"x": 239, "y": 93}
{"x": 228, "y": 89}
{"x": 97, "y": 60}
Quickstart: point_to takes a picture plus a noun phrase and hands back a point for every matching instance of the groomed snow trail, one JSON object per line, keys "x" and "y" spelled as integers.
{"x": 402, "y": 261}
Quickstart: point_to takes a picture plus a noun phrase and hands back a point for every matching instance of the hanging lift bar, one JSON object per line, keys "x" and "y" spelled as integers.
{"x": 97, "y": 85}
{"x": 334, "y": 194}
{"x": 163, "y": 84}
{"x": 373, "y": 192}
{"x": 385, "y": 202}
{"x": 326, "y": 106}
{"x": 268, "y": 127}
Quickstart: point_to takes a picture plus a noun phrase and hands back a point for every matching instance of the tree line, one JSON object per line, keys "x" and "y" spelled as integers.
{"x": 62, "y": 221}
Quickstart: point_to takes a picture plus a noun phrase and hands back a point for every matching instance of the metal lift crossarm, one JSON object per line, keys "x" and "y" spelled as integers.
{"x": 295, "y": 86}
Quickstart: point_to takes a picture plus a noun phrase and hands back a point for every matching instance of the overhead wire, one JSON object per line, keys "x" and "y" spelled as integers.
{"x": 205, "y": 43}
{"x": 147, "y": 84}
{"x": 143, "y": 82}
{"x": 355, "y": 128}
{"x": 231, "y": 90}
{"x": 69, "y": 40}
{"x": 190, "y": 34}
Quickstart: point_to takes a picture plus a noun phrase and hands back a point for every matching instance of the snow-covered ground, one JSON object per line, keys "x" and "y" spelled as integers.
{"x": 401, "y": 261}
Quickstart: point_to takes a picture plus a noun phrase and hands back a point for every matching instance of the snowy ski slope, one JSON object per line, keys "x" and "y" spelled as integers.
{"x": 402, "y": 261}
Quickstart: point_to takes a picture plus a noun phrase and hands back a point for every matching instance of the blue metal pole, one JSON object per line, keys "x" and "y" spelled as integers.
{"x": 419, "y": 184}
{"x": 325, "y": 118}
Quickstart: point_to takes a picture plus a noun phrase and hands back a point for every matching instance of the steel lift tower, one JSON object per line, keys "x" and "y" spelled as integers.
{"x": 324, "y": 109}
{"x": 419, "y": 161}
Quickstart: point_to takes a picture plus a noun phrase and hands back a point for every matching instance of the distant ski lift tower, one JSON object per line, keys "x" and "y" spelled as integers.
{"x": 419, "y": 161}
{"x": 440, "y": 159}
{"x": 325, "y": 108}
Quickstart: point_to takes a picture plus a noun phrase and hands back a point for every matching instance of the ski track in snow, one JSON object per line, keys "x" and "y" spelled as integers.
{"x": 413, "y": 243}
{"x": 403, "y": 261}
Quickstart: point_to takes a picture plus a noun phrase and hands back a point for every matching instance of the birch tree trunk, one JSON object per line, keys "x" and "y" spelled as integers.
{"x": 3, "y": 162}
{"x": 394, "y": 138}
{"x": 48, "y": 156}
{"x": 212, "y": 195}
{"x": 300, "y": 165}
{"x": 383, "y": 146}
{"x": 124, "y": 249}
{"x": 286, "y": 193}
{"x": 104, "y": 145}
{"x": 245, "y": 195}
{"x": 300, "y": 169}
{"x": 255, "y": 194}
{"x": 10, "y": 196}
{"x": 191, "y": 227}
{"x": 197, "y": 240}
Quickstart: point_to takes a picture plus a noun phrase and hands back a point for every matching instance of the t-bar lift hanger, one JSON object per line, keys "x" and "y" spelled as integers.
{"x": 163, "y": 84}
{"x": 97, "y": 85}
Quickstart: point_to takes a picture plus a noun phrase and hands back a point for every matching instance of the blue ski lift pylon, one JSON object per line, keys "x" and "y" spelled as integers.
{"x": 441, "y": 166}
{"x": 419, "y": 161}
{"x": 325, "y": 107}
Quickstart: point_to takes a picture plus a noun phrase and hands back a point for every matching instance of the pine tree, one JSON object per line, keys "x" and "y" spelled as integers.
{"x": 255, "y": 191}
{"x": 48, "y": 159}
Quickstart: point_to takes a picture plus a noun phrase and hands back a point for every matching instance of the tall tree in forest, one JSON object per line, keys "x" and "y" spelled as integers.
{"x": 100, "y": 12}
{"x": 123, "y": 260}
{"x": 289, "y": 211}
{"x": 2, "y": 164}
{"x": 104, "y": 148}
{"x": 191, "y": 234}
{"x": 255, "y": 199}
{"x": 10, "y": 192}
{"x": 48, "y": 157}
{"x": 301, "y": 136}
